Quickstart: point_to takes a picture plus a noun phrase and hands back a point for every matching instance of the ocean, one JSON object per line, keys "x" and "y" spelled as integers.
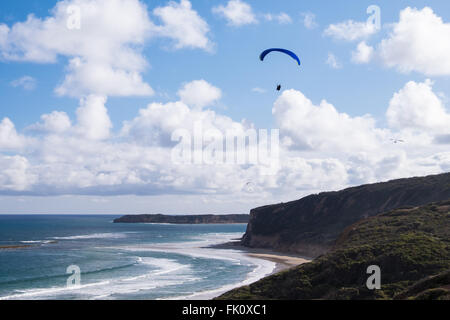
{"x": 89, "y": 257}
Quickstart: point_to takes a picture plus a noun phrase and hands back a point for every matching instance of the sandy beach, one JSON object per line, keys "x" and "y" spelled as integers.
{"x": 283, "y": 260}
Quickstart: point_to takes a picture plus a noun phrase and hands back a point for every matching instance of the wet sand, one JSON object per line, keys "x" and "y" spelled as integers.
{"x": 283, "y": 260}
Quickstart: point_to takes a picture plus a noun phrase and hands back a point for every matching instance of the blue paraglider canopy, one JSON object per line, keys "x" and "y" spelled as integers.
{"x": 289, "y": 53}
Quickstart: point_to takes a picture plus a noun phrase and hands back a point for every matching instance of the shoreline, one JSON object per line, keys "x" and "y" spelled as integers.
{"x": 283, "y": 261}
{"x": 278, "y": 261}
{"x": 225, "y": 247}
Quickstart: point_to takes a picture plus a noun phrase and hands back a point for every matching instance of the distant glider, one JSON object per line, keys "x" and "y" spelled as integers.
{"x": 397, "y": 141}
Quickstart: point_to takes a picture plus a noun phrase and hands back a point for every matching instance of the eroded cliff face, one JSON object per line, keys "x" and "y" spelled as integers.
{"x": 310, "y": 226}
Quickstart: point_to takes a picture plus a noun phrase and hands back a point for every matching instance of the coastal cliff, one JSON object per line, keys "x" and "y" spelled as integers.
{"x": 311, "y": 225}
{"x": 410, "y": 246}
{"x": 184, "y": 219}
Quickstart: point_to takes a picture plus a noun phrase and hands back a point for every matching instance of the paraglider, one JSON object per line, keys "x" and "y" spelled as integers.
{"x": 289, "y": 53}
{"x": 263, "y": 55}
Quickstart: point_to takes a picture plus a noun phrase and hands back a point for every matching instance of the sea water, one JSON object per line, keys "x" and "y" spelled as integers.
{"x": 120, "y": 261}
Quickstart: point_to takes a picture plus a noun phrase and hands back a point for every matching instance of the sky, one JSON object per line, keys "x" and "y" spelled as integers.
{"x": 92, "y": 91}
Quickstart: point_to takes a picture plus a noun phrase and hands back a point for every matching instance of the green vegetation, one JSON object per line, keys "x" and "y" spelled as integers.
{"x": 411, "y": 246}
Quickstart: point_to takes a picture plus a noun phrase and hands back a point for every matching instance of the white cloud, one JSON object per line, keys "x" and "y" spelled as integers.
{"x": 350, "y": 30}
{"x": 101, "y": 79}
{"x": 310, "y": 175}
{"x": 93, "y": 119}
{"x": 333, "y": 61}
{"x": 104, "y": 49}
{"x": 155, "y": 124}
{"x": 237, "y": 13}
{"x": 184, "y": 25}
{"x": 14, "y": 175}
{"x": 321, "y": 127}
{"x": 281, "y": 18}
{"x": 363, "y": 53}
{"x": 104, "y": 54}
{"x": 199, "y": 94}
{"x": 322, "y": 149}
{"x": 309, "y": 20}
{"x": 9, "y": 138}
{"x": 55, "y": 122}
{"x": 26, "y": 82}
{"x": 418, "y": 42}
{"x": 417, "y": 107}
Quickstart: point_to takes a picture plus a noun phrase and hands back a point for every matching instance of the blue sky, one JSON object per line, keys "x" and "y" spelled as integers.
{"x": 230, "y": 63}
{"x": 234, "y": 66}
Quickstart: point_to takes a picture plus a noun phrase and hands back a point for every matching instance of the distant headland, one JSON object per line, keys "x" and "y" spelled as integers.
{"x": 184, "y": 219}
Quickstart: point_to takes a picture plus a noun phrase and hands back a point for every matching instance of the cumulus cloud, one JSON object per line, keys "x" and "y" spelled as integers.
{"x": 100, "y": 78}
{"x": 199, "y": 94}
{"x": 417, "y": 107}
{"x": 55, "y": 122}
{"x": 363, "y": 53}
{"x": 322, "y": 149}
{"x": 87, "y": 159}
{"x": 155, "y": 124}
{"x": 103, "y": 48}
{"x": 321, "y": 127}
{"x": 418, "y": 42}
{"x": 9, "y": 138}
{"x": 26, "y": 82}
{"x": 104, "y": 53}
{"x": 93, "y": 119}
{"x": 184, "y": 25}
{"x": 14, "y": 175}
{"x": 350, "y": 30}
{"x": 237, "y": 13}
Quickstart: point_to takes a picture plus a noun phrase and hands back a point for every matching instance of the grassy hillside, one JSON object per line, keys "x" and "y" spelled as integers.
{"x": 411, "y": 246}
